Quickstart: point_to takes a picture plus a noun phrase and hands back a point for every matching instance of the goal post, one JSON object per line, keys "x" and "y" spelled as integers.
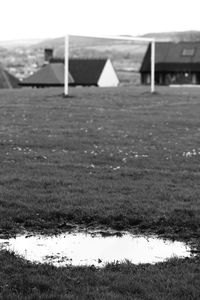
{"x": 66, "y": 65}
{"x": 125, "y": 38}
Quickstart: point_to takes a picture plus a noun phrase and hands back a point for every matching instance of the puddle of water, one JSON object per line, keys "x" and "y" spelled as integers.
{"x": 82, "y": 248}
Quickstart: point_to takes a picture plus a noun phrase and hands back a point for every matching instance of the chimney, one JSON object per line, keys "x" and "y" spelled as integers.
{"x": 48, "y": 55}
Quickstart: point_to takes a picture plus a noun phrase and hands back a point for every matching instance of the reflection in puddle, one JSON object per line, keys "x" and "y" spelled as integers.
{"x": 81, "y": 248}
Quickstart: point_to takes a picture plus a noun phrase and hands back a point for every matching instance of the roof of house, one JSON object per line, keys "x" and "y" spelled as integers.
{"x": 86, "y": 71}
{"x": 171, "y": 56}
{"x": 7, "y": 81}
{"x": 81, "y": 72}
{"x": 48, "y": 75}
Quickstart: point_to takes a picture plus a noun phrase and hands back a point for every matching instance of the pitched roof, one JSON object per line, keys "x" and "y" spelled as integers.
{"x": 48, "y": 75}
{"x": 86, "y": 71}
{"x": 81, "y": 72}
{"x": 171, "y": 56}
{"x": 8, "y": 81}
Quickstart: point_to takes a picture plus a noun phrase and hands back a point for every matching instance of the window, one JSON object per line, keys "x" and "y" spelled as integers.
{"x": 188, "y": 52}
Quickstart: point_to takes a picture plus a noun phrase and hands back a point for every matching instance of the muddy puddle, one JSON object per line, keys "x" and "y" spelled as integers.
{"x": 93, "y": 248}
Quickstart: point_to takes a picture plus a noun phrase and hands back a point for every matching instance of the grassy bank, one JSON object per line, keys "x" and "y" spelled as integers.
{"x": 119, "y": 158}
{"x": 177, "y": 279}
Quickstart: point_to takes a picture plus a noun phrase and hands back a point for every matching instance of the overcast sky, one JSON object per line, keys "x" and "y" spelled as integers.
{"x": 27, "y": 19}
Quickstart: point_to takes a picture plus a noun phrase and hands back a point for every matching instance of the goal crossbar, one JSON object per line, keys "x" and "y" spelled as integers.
{"x": 125, "y": 38}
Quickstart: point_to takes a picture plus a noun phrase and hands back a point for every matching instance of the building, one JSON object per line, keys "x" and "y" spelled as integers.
{"x": 7, "y": 81}
{"x": 50, "y": 75}
{"x": 175, "y": 63}
{"x": 97, "y": 72}
{"x": 85, "y": 72}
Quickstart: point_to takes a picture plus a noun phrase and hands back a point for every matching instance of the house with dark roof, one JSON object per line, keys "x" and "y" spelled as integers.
{"x": 90, "y": 71}
{"x": 97, "y": 72}
{"x": 7, "y": 80}
{"x": 49, "y": 75}
{"x": 175, "y": 63}
{"x": 85, "y": 72}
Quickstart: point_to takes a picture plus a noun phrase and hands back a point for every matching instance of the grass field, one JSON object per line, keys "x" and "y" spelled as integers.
{"x": 119, "y": 158}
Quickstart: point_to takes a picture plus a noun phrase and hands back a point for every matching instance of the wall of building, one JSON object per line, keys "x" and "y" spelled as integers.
{"x": 167, "y": 78}
{"x": 108, "y": 76}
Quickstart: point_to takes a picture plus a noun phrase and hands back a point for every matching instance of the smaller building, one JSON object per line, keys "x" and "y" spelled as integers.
{"x": 175, "y": 63}
{"x": 50, "y": 75}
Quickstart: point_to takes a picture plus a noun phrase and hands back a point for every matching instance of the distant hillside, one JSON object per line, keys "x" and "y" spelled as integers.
{"x": 179, "y": 36}
{"x": 81, "y": 46}
{"x": 77, "y": 42}
{"x": 124, "y": 54}
{"x": 87, "y": 46}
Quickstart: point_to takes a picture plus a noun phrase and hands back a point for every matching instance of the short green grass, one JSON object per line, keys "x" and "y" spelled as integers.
{"x": 115, "y": 157}
{"x": 175, "y": 279}
{"x": 119, "y": 158}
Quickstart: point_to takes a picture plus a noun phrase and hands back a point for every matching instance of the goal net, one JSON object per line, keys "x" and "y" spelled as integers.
{"x": 129, "y": 39}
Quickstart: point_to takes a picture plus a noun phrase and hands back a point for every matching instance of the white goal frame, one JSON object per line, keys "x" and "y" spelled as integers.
{"x": 141, "y": 39}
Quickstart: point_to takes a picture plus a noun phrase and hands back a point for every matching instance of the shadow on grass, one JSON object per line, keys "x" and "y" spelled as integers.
{"x": 67, "y": 96}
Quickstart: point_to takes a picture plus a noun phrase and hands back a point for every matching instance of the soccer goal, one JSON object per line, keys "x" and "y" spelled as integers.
{"x": 125, "y": 38}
